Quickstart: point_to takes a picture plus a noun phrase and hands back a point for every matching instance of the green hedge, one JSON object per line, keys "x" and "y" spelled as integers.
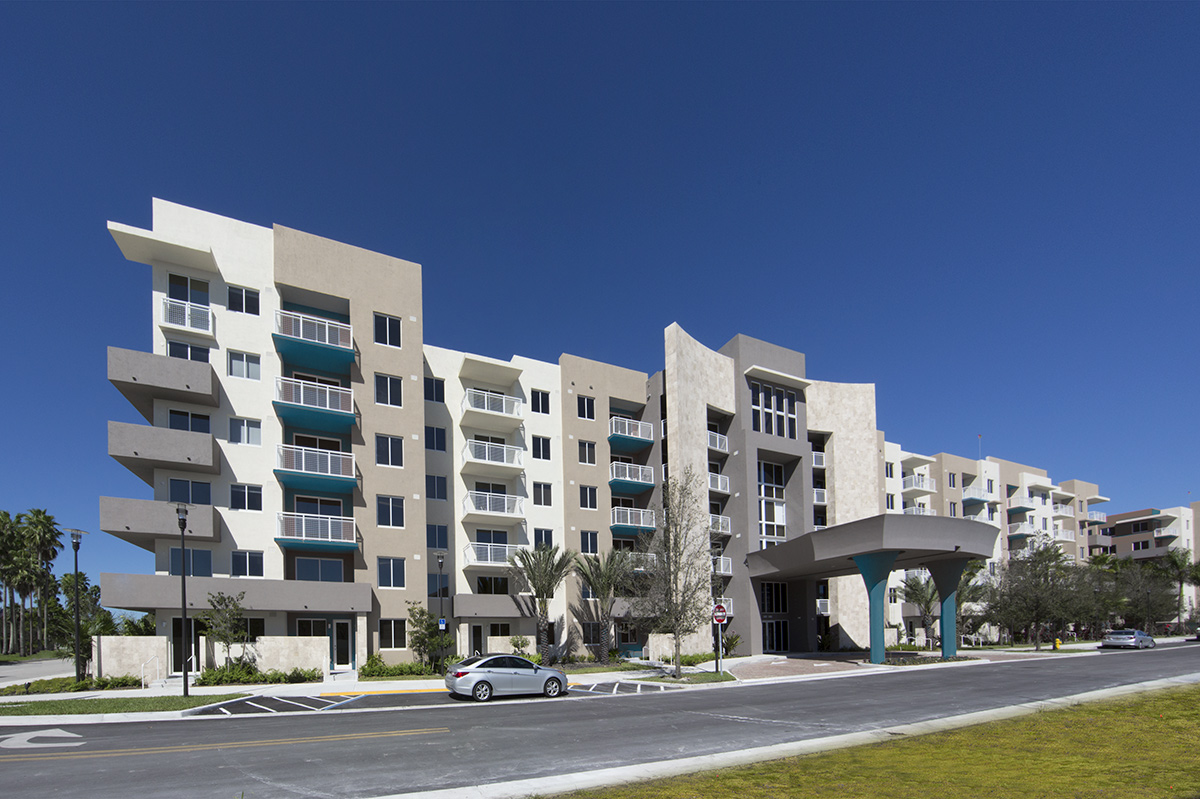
{"x": 246, "y": 674}
{"x": 375, "y": 667}
{"x": 62, "y": 685}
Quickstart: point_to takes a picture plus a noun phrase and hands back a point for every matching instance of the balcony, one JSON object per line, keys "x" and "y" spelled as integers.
{"x": 720, "y": 525}
{"x": 630, "y": 478}
{"x": 818, "y": 459}
{"x": 1151, "y": 553}
{"x": 918, "y": 484}
{"x": 1165, "y": 535}
{"x": 726, "y": 603}
{"x": 822, "y": 607}
{"x": 820, "y": 496}
{"x": 488, "y": 410}
{"x": 311, "y": 469}
{"x": 643, "y": 561}
{"x": 631, "y": 521}
{"x": 313, "y": 341}
{"x": 143, "y": 377}
{"x": 189, "y": 316}
{"x": 477, "y": 554}
{"x": 141, "y": 449}
{"x": 718, "y": 443}
{"x": 1021, "y": 501}
{"x": 629, "y": 435}
{"x": 1020, "y": 531}
{"x": 1097, "y": 517}
{"x": 1063, "y": 534}
{"x": 314, "y": 406}
{"x": 718, "y": 483}
{"x": 974, "y": 495}
{"x": 141, "y": 522}
{"x": 310, "y": 531}
{"x": 492, "y": 460}
{"x": 1060, "y": 511}
{"x": 722, "y": 566}
{"x": 484, "y": 506}
{"x": 917, "y": 510}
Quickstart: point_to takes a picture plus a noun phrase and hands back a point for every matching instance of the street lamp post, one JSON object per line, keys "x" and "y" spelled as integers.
{"x": 181, "y": 512}
{"x": 1147, "y": 610}
{"x": 76, "y": 537}
{"x": 441, "y": 557}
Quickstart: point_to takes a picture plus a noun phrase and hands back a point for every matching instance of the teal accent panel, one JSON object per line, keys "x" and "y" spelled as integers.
{"x": 318, "y": 419}
{"x": 309, "y": 545}
{"x": 305, "y": 481}
{"x": 627, "y": 444}
{"x": 629, "y": 487}
{"x": 313, "y": 354}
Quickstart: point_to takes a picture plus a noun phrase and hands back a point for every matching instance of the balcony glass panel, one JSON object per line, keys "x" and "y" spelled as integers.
{"x": 190, "y": 315}
{"x": 314, "y": 329}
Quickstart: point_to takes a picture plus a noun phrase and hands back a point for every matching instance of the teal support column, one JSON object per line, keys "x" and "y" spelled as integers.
{"x": 875, "y": 568}
{"x": 946, "y": 574}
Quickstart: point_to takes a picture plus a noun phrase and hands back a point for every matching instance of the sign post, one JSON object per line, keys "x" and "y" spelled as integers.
{"x": 719, "y": 618}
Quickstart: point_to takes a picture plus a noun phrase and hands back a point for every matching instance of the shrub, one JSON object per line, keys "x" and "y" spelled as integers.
{"x": 240, "y": 673}
{"x": 519, "y": 642}
{"x": 375, "y": 667}
{"x": 59, "y": 685}
{"x": 731, "y": 641}
{"x": 692, "y": 660}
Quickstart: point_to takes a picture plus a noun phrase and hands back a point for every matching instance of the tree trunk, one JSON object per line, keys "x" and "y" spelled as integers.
{"x": 605, "y": 643}
{"x": 21, "y": 629}
{"x": 543, "y": 623}
{"x": 678, "y": 657}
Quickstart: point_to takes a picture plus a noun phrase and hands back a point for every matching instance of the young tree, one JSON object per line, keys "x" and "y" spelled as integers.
{"x": 676, "y": 594}
{"x": 605, "y": 577}
{"x": 920, "y": 590}
{"x": 1146, "y": 594}
{"x": 430, "y": 644}
{"x": 225, "y": 619}
{"x": 1177, "y": 566}
{"x": 542, "y": 570}
{"x": 93, "y": 619}
{"x": 1034, "y": 590}
{"x": 970, "y": 592}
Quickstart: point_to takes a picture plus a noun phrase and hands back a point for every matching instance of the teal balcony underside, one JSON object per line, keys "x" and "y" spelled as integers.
{"x": 973, "y": 501}
{"x": 308, "y": 481}
{"x": 313, "y": 354}
{"x": 630, "y": 487}
{"x": 627, "y": 444}
{"x": 628, "y": 530}
{"x": 310, "y": 545}
{"x": 1019, "y": 536}
{"x": 309, "y": 418}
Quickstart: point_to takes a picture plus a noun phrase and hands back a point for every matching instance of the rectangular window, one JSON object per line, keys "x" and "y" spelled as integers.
{"x": 391, "y": 572}
{"x": 389, "y": 390}
{"x": 319, "y": 570}
{"x": 389, "y": 511}
{"x": 187, "y": 289}
{"x": 188, "y": 421}
{"x": 887, "y": 470}
{"x": 990, "y": 486}
{"x": 247, "y": 564}
{"x": 311, "y": 628}
{"x": 772, "y": 504}
{"x": 387, "y": 330}
{"x": 190, "y": 492}
{"x": 435, "y": 389}
{"x": 254, "y": 628}
{"x": 591, "y": 631}
{"x": 587, "y": 497}
{"x": 197, "y": 561}
{"x": 541, "y": 448}
{"x": 587, "y": 452}
{"x": 243, "y": 300}
{"x": 953, "y": 509}
{"x": 587, "y": 407}
{"x": 542, "y": 537}
{"x": 893, "y": 595}
{"x": 541, "y": 494}
{"x": 502, "y": 629}
{"x": 245, "y": 497}
{"x": 491, "y": 585}
{"x": 187, "y": 352}
{"x": 1139, "y": 546}
{"x": 389, "y": 450}
{"x": 585, "y": 591}
{"x": 891, "y": 501}
{"x": 244, "y": 365}
{"x": 951, "y": 477}
{"x": 435, "y": 438}
{"x": 589, "y": 542}
{"x": 773, "y": 598}
{"x": 773, "y": 410}
{"x": 245, "y": 431}
{"x": 393, "y": 633}
{"x": 435, "y": 486}
{"x": 439, "y": 585}
{"x": 437, "y": 536}
{"x": 539, "y": 401}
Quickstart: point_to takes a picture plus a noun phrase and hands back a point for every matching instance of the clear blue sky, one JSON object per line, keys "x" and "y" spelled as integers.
{"x": 989, "y": 211}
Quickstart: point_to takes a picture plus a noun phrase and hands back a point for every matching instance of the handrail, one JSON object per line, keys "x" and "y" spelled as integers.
{"x": 157, "y": 669}
{"x": 316, "y": 329}
{"x": 191, "y": 315}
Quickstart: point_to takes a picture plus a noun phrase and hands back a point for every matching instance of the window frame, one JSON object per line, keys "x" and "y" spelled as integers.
{"x": 390, "y": 562}
{"x": 589, "y": 498}
{"x": 389, "y": 330}
{"x": 248, "y": 492}
{"x": 244, "y": 296}
{"x": 436, "y": 387}
{"x": 541, "y": 448}
{"x": 392, "y": 442}
{"x": 543, "y": 494}
{"x": 243, "y": 426}
{"x": 393, "y": 626}
{"x": 587, "y": 453}
{"x": 248, "y": 559}
{"x": 251, "y": 362}
{"x": 539, "y": 401}
{"x": 392, "y": 502}
{"x": 586, "y": 407}
{"x": 435, "y": 435}
{"x": 389, "y": 384}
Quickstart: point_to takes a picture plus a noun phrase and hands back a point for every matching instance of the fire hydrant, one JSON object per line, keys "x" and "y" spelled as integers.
{"x": 1057, "y": 643}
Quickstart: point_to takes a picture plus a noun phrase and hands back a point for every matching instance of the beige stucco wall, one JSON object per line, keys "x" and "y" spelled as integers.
{"x": 118, "y": 655}
{"x": 283, "y": 652}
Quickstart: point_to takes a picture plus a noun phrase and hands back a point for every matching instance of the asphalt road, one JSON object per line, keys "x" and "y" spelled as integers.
{"x": 460, "y": 744}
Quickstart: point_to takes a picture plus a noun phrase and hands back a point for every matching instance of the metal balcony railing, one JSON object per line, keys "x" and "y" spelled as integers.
{"x": 916, "y": 510}
{"x": 633, "y": 517}
{"x": 1022, "y": 528}
{"x": 486, "y": 502}
{"x": 314, "y": 395}
{"x": 820, "y": 496}
{"x": 818, "y": 460}
{"x": 187, "y": 314}
{"x": 476, "y": 400}
{"x": 723, "y": 566}
{"x": 718, "y": 482}
{"x": 978, "y": 492}
{"x": 630, "y": 428}
{"x": 312, "y": 527}
{"x": 314, "y": 461}
{"x": 499, "y": 454}
{"x": 491, "y": 554}
{"x": 718, "y": 442}
{"x": 643, "y": 561}
{"x": 720, "y": 525}
{"x": 314, "y": 329}
{"x": 631, "y": 472}
{"x": 919, "y": 482}
{"x": 1063, "y": 510}
{"x": 1097, "y": 516}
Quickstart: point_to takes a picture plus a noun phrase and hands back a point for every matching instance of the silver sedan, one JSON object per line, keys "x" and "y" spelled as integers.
{"x": 1133, "y": 639}
{"x": 483, "y": 677}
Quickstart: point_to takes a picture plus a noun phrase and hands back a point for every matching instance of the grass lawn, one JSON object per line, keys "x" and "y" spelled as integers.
{"x": 692, "y": 679}
{"x": 48, "y": 654}
{"x": 110, "y": 704}
{"x": 1142, "y": 746}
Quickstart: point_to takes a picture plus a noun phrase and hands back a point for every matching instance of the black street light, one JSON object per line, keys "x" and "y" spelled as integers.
{"x": 441, "y": 556}
{"x": 76, "y": 537}
{"x": 181, "y": 512}
{"x": 1147, "y": 610}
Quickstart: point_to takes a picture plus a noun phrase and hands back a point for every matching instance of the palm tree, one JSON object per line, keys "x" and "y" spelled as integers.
{"x": 921, "y": 591}
{"x": 43, "y": 535}
{"x": 969, "y": 592}
{"x": 1177, "y": 565}
{"x": 604, "y": 577}
{"x": 543, "y": 569}
{"x": 25, "y": 576}
{"x": 8, "y": 549}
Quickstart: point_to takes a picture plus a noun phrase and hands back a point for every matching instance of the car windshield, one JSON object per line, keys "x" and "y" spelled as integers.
{"x": 1123, "y": 632}
{"x": 469, "y": 661}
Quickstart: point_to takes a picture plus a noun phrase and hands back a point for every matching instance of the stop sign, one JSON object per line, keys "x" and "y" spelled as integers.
{"x": 719, "y": 615}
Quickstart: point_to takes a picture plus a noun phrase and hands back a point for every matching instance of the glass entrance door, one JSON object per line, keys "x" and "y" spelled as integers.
{"x": 343, "y": 652}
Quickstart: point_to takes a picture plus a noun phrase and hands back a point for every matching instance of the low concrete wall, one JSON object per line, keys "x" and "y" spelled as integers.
{"x": 283, "y": 652}
{"x": 118, "y": 655}
{"x": 660, "y": 646}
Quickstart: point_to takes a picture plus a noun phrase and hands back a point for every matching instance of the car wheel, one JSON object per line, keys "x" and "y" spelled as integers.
{"x": 553, "y": 688}
{"x": 1153, "y": 643}
{"x": 482, "y": 691}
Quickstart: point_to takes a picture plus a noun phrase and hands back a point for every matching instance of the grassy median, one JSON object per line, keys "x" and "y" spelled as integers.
{"x": 110, "y": 704}
{"x": 1143, "y": 746}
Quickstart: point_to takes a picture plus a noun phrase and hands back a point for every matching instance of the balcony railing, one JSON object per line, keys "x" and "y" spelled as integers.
{"x": 314, "y": 329}
{"x": 718, "y": 442}
{"x": 630, "y": 428}
{"x": 1022, "y": 529}
{"x": 917, "y": 510}
{"x": 643, "y": 561}
{"x": 631, "y": 473}
{"x": 723, "y": 566}
{"x": 822, "y": 607}
{"x": 1021, "y": 500}
{"x": 818, "y": 460}
{"x": 486, "y": 502}
{"x": 633, "y": 517}
{"x": 1097, "y": 516}
{"x": 314, "y": 461}
{"x": 720, "y": 525}
{"x": 1063, "y": 510}
{"x": 190, "y": 315}
{"x": 726, "y": 603}
{"x": 314, "y": 395}
{"x": 919, "y": 482}
{"x": 820, "y": 496}
{"x": 498, "y": 454}
{"x": 493, "y": 554}
{"x": 312, "y": 527}
{"x": 978, "y": 493}
{"x": 1062, "y": 534}
{"x": 502, "y": 404}
{"x": 718, "y": 482}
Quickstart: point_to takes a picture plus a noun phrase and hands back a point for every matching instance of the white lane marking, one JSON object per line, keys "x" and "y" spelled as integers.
{"x": 260, "y": 707}
{"x": 21, "y": 740}
{"x": 297, "y": 704}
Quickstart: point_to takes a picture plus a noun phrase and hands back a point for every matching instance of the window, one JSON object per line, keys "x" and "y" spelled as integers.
{"x": 587, "y": 407}
{"x": 311, "y": 628}
{"x": 591, "y": 633}
{"x": 587, "y": 497}
{"x": 491, "y": 585}
{"x": 245, "y": 497}
{"x": 539, "y": 401}
{"x": 186, "y": 420}
{"x": 390, "y": 511}
{"x": 243, "y": 364}
{"x": 893, "y": 595}
{"x": 243, "y": 300}
{"x": 254, "y": 628}
{"x": 773, "y": 597}
{"x": 585, "y": 591}
{"x": 772, "y": 508}
{"x": 891, "y": 501}
{"x": 589, "y": 542}
{"x": 247, "y": 564}
{"x": 773, "y": 410}
{"x": 435, "y": 438}
{"x": 951, "y": 477}
{"x": 188, "y": 352}
{"x": 502, "y": 630}
{"x": 991, "y": 484}
{"x": 389, "y": 390}
{"x": 887, "y": 470}
{"x": 190, "y": 492}
{"x": 587, "y": 452}
{"x": 1139, "y": 546}
{"x": 319, "y": 570}
{"x": 316, "y": 506}
{"x": 436, "y": 536}
{"x": 391, "y": 572}
{"x": 1140, "y": 527}
{"x": 542, "y": 537}
{"x": 392, "y": 633}
{"x": 435, "y": 389}
{"x": 435, "y": 486}
{"x": 541, "y": 494}
{"x": 387, "y": 330}
{"x": 991, "y": 514}
{"x": 439, "y": 585}
{"x": 245, "y": 431}
{"x": 389, "y": 450}
{"x": 197, "y": 561}
{"x": 186, "y": 289}
{"x": 953, "y": 509}
{"x": 626, "y": 634}
{"x": 541, "y": 448}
